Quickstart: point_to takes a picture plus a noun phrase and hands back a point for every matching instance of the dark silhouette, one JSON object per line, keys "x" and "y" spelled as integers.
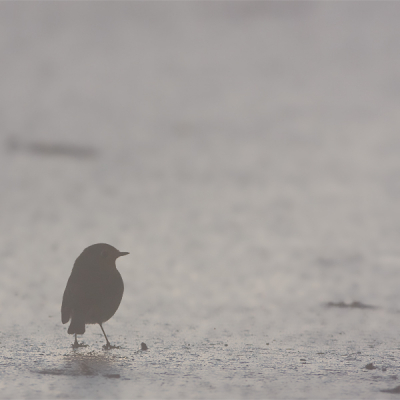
{"x": 94, "y": 290}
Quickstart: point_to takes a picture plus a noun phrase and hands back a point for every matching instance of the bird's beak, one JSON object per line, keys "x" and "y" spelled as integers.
{"x": 122, "y": 253}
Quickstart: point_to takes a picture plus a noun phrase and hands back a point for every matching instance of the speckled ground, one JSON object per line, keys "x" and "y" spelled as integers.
{"x": 322, "y": 360}
{"x": 246, "y": 154}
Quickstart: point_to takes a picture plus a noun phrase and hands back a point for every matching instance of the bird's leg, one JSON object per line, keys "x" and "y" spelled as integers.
{"x": 77, "y": 345}
{"x": 107, "y": 346}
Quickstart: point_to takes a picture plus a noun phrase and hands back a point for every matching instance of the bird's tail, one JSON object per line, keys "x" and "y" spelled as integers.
{"x": 77, "y": 325}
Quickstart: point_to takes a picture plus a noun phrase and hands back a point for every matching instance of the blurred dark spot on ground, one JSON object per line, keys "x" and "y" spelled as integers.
{"x": 84, "y": 371}
{"x": 350, "y": 259}
{"x": 112, "y": 376}
{"x": 354, "y": 304}
{"x": 51, "y": 372}
{"x": 326, "y": 262}
{"x": 51, "y": 149}
{"x": 394, "y": 390}
{"x": 370, "y": 366}
{"x": 144, "y": 346}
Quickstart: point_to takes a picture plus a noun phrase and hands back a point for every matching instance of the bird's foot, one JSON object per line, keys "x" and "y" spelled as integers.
{"x": 109, "y": 346}
{"x": 76, "y": 345}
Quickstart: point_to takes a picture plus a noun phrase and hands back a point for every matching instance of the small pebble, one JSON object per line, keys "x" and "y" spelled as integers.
{"x": 144, "y": 346}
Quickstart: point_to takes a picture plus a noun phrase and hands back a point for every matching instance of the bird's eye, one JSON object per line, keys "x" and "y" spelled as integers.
{"x": 104, "y": 253}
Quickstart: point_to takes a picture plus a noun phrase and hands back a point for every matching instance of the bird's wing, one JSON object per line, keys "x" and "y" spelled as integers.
{"x": 65, "y": 306}
{"x": 69, "y": 299}
{"x": 79, "y": 293}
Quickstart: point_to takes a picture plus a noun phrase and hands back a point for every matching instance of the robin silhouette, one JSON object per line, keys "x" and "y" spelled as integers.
{"x": 94, "y": 290}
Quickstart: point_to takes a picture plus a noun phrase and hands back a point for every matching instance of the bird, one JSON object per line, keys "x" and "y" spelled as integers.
{"x": 94, "y": 290}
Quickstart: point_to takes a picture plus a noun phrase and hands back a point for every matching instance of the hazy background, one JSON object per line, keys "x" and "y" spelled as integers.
{"x": 246, "y": 154}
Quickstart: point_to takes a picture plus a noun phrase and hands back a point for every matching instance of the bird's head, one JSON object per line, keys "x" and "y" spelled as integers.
{"x": 102, "y": 254}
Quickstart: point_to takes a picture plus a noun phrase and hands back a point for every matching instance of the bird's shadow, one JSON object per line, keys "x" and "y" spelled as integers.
{"x": 91, "y": 363}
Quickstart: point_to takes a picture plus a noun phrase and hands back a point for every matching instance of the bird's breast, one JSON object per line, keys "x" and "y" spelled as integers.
{"x": 104, "y": 296}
